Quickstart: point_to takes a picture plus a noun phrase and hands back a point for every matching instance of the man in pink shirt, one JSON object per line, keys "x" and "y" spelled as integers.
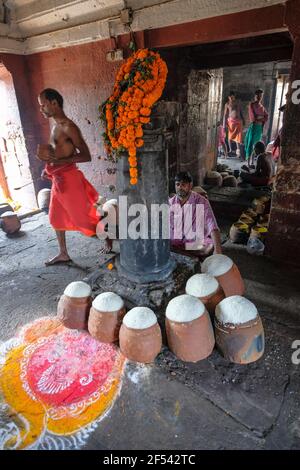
{"x": 193, "y": 227}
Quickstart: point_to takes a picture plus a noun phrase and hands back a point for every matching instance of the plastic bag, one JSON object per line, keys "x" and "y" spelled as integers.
{"x": 255, "y": 246}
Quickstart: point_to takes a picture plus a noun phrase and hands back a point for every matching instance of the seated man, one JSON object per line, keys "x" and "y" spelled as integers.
{"x": 264, "y": 172}
{"x": 196, "y": 237}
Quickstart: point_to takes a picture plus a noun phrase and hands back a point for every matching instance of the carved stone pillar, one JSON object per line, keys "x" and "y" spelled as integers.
{"x": 284, "y": 231}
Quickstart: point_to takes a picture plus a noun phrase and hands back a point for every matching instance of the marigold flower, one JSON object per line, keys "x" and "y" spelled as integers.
{"x": 133, "y": 181}
{"x": 144, "y": 120}
{"x": 126, "y": 111}
{"x": 139, "y": 142}
{"x": 133, "y": 172}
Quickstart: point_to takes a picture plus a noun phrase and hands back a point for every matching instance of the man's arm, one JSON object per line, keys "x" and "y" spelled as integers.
{"x": 258, "y": 166}
{"x": 80, "y": 145}
{"x": 216, "y": 238}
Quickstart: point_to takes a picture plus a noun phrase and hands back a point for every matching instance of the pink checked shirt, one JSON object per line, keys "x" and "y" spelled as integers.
{"x": 177, "y": 221}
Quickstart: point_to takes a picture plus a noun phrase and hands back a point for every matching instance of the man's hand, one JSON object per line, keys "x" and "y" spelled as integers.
{"x": 45, "y": 153}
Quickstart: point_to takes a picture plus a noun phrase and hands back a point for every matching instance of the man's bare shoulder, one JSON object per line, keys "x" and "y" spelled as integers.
{"x": 70, "y": 125}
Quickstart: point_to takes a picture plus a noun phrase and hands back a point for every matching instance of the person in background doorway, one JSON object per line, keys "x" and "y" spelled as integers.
{"x": 265, "y": 168}
{"x": 258, "y": 116}
{"x": 233, "y": 121}
{"x": 221, "y": 135}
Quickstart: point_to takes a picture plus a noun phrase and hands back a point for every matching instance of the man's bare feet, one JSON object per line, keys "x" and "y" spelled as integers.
{"x": 61, "y": 258}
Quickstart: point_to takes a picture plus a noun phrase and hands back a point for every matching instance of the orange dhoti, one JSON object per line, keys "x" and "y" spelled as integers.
{"x": 235, "y": 130}
{"x": 72, "y": 200}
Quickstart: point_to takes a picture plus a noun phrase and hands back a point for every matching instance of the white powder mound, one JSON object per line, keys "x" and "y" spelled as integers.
{"x": 184, "y": 308}
{"x": 78, "y": 289}
{"x": 140, "y": 318}
{"x": 8, "y": 214}
{"x": 235, "y": 310}
{"x": 216, "y": 265}
{"x": 107, "y": 205}
{"x": 201, "y": 285}
{"x": 108, "y": 302}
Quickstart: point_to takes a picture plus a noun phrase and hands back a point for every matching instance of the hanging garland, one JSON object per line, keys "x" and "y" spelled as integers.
{"x": 139, "y": 84}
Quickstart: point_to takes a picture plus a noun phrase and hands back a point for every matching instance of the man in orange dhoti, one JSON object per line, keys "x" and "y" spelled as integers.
{"x": 72, "y": 196}
{"x": 233, "y": 121}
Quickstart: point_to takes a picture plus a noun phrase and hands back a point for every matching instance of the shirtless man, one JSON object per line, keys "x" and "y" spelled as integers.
{"x": 72, "y": 196}
{"x": 264, "y": 172}
{"x": 234, "y": 121}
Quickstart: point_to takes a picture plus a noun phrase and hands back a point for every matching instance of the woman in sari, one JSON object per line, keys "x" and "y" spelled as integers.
{"x": 258, "y": 117}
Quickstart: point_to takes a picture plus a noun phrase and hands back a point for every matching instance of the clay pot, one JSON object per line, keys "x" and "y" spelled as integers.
{"x": 207, "y": 289}
{"x": 43, "y": 199}
{"x": 5, "y": 207}
{"x": 140, "y": 336}
{"x": 246, "y": 219}
{"x": 213, "y": 178}
{"x": 239, "y": 232}
{"x": 224, "y": 174}
{"x": 250, "y": 213}
{"x": 259, "y": 231}
{"x": 226, "y": 272}
{"x": 189, "y": 329}
{"x": 106, "y": 317}
{"x": 262, "y": 205}
{"x": 74, "y": 305}
{"x": 240, "y": 343}
{"x": 10, "y": 222}
{"x": 230, "y": 181}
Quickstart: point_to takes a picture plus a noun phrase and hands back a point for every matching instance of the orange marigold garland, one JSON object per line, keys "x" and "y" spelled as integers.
{"x": 139, "y": 84}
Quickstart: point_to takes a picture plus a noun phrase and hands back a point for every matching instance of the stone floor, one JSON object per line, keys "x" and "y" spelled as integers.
{"x": 174, "y": 405}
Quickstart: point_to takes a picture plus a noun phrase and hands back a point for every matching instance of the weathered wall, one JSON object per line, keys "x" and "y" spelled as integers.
{"x": 13, "y": 150}
{"x": 284, "y": 229}
{"x": 85, "y": 79}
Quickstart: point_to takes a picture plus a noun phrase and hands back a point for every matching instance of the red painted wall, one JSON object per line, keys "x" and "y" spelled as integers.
{"x": 85, "y": 79}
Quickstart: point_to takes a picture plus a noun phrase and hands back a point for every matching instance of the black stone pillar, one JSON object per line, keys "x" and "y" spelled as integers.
{"x": 145, "y": 260}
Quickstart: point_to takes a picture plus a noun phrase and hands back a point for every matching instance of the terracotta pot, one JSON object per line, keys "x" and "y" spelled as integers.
{"x": 210, "y": 296}
{"x": 242, "y": 343}
{"x": 140, "y": 345}
{"x": 213, "y": 178}
{"x": 245, "y": 219}
{"x": 213, "y": 300}
{"x": 250, "y": 213}
{"x": 105, "y": 326}
{"x": 229, "y": 277}
{"x": 239, "y": 232}
{"x": 259, "y": 232}
{"x": 191, "y": 341}
{"x": 5, "y": 207}
{"x": 73, "y": 312}
{"x": 44, "y": 199}
{"x": 230, "y": 181}
{"x": 259, "y": 206}
{"x": 10, "y": 222}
